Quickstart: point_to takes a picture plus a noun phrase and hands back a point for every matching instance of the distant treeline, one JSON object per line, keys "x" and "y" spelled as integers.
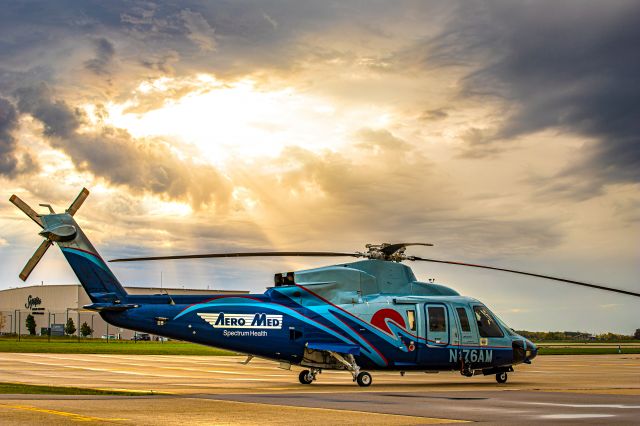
{"x": 575, "y": 335}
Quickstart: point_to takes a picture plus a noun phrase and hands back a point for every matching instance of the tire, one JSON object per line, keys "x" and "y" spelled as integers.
{"x": 501, "y": 377}
{"x": 305, "y": 377}
{"x": 364, "y": 379}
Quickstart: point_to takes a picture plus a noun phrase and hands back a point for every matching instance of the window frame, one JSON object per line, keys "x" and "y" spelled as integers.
{"x": 466, "y": 317}
{"x": 491, "y": 316}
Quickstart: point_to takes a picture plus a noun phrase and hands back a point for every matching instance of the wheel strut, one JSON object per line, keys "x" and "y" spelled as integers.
{"x": 361, "y": 377}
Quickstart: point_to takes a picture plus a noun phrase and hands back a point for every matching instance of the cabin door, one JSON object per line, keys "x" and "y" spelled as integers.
{"x": 467, "y": 334}
{"x": 437, "y": 324}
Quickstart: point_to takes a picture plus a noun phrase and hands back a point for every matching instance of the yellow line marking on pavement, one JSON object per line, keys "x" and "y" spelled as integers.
{"x": 73, "y": 416}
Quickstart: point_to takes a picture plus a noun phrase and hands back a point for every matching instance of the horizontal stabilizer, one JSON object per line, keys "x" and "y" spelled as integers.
{"x": 100, "y": 307}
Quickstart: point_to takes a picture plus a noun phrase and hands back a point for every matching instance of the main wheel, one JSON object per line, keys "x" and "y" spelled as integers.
{"x": 501, "y": 377}
{"x": 305, "y": 377}
{"x": 364, "y": 379}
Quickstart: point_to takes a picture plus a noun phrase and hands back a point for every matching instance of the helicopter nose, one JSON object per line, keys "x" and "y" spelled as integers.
{"x": 531, "y": 352}
{"x": 523, "y": 351}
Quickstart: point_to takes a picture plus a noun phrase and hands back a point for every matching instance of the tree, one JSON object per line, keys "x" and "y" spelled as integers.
{"x": 70, "y": 327}
{"x": 636, "y": 335}
{"x": 30, "y": 323}
{"x": 85, "y": 330}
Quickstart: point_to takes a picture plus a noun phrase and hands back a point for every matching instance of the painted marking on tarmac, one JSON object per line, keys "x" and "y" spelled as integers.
{"x": 575, "y": 416}
{"x": 107, "y": 370}
{"x": 72, "y": 416}
{"x": 555, "y": 404}
{"x": 422, "y": 420}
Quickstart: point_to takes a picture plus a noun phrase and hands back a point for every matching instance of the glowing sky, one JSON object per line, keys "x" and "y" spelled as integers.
{"x": 505, "y": 133}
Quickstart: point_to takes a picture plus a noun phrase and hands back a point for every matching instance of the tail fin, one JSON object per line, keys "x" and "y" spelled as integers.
{"x": 95, "y": 276}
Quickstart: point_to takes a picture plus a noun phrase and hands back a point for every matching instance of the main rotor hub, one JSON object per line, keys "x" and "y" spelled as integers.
{"x": 385, "y": 251}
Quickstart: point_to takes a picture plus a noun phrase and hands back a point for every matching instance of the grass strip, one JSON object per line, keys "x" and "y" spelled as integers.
{"x": 586, "y": 351}
{"x": 113, "y": 347}
{"x": 21, "y": 388}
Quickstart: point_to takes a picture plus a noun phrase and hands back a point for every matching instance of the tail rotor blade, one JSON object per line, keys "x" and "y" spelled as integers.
{"x": 73, "y": 208}
{"x": 26, "y": 209}
{"x": 40, "y": 251}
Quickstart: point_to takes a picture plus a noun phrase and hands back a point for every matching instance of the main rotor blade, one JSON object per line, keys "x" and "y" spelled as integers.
{"x": 254, "y": 254}
{"x": 392, "y": 248}
{"x": 548, "y": 277}
{"x": 73, "y": 208}
{"x": 42, "y": 248}
{"x": 26, "y": 209}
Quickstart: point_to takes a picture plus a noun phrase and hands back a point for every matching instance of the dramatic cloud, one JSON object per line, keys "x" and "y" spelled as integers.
{"x": 112, "y": 154}
{"x": 198, "y": 30}
{"x": 104, "y": 55}
{"x": 13, "y": 160}
{"x": 570, "y": 66}
{"x": 8, "y": 123}
{"x": 505, "y": 133}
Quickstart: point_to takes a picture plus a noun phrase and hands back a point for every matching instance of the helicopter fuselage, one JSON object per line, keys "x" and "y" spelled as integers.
{"x": 370, "y": 314}
{"x": 295, "y": 325}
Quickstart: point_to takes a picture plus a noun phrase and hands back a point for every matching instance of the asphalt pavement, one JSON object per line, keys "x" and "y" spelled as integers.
{"x": 220, "y": 390}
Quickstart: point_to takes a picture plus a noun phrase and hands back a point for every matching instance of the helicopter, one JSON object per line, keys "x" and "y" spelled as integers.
{"x": 371, "y": 314}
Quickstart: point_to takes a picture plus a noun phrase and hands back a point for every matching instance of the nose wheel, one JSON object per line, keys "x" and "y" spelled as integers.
{"x": 501, "y": 377}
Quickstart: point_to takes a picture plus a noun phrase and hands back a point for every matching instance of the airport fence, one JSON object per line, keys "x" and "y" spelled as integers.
{"x": 58, "y": 324}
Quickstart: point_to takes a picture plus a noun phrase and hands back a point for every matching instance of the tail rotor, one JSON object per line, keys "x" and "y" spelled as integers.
{"x": 52, "y": 230}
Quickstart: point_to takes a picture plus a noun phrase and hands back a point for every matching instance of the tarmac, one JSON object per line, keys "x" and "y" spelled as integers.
{"x": 220, "y": 390}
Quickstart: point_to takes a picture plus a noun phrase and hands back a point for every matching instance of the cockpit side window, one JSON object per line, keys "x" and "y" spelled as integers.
{"x": 411, "y": 316}
{"x": 487, "y": 325}
{"x": 464, "y": 319}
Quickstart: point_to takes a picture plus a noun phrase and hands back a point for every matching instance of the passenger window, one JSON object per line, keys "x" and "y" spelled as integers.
{"x": 464, "y": 319}
{"x": 437, "y": 320}
{"x": 487, "y": 325}
{"x": 411, "y": 316}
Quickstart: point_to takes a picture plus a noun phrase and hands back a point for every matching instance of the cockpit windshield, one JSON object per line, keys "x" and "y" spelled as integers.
{"x": 487, "y": 325}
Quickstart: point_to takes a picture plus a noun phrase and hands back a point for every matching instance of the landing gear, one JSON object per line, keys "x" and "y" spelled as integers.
{"x": 361, "y": 377}
{"x": 501, "y": 377}
{"x": 307, "y": 377}
{"x": 364, "y": 379}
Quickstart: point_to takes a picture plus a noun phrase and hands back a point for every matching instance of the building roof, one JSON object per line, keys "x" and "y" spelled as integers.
{"x": 136, "y": 289}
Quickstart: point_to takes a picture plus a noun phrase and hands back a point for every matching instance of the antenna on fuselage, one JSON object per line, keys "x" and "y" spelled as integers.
{"x": 171, "y": 302}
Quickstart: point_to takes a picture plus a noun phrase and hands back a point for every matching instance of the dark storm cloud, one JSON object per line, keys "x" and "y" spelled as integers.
{"x": 13, "y": 160}
{"x": 570, "y": 65}
{"x": 114, "y": 155}
{"x": 105, "y": 52}
{"x": 8, "y": 123}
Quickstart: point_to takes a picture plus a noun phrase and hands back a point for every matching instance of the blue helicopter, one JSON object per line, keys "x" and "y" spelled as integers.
{"x": 371, "y": 314}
